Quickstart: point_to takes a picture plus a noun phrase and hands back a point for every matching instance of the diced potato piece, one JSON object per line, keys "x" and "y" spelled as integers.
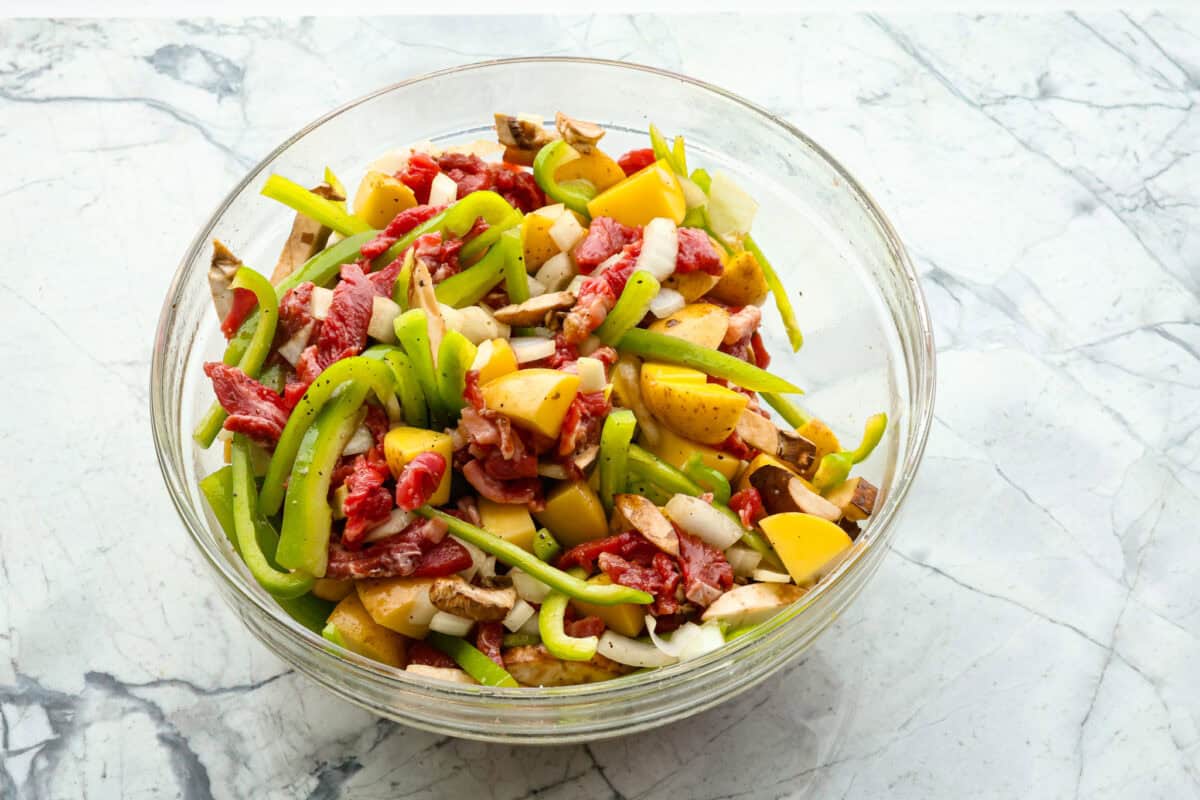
{"x": 358, "y": 632}
{"x": 855, "y": 497}
{"x": 494, "y": 358}
{"x": 402, "y": 444}
{"x": 627, "y": 619}
{"x": 508, "y": 521}
{"x": 536, "y": 399}
{"x": 676, "y": 450}
{"x": 573, "y": 514}
{"x": 534, "y": 666}
{"x": 808, "y": 546}
{"x": 742, "y": 283}
{"x": 646, "y": 194}
{"x": 700, "y": 411}
{"x": 380, "y": 197}
{"x": 332, "y": 590}
{"x": 752, "y": 603}
{"x": 672, "y": 373}
{"x": 399, "y": 604}
{"x": 692, "y": 285}
{"x": 819, "y": 434}
{"x": 535, "y": 238}
{"x": 595, "y": 167}
{"x": 703, "y": 324}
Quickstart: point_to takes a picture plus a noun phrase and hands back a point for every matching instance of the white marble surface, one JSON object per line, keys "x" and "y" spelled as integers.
{"x": 1037, "y": 629}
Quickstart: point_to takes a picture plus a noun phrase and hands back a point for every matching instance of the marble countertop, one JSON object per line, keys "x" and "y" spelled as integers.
{"x": 1035, "y": 632}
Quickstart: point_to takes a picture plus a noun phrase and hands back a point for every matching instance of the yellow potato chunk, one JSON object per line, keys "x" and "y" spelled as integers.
{"x": 403, "y": 444}
{"x": 742, "y": 283}
{"x": 399, "y": 604}
{"x": 700, "y": 411}
{"x": 595, "y": 167}
{"x": 498, "y": 359}
{"x": 332, "y": 590}
{"x": 380, "y": 197}
{"x": 692, "y": 285}
{"x": 676, "y": 450}
{"x": 536, "y": 399}
{"x": 819, "y": 434}
{"x": 358, "y": 632}
{"x": 808, "y": 546}
{"x": 508, "y": 521}
{"x": 646, "y": 194}
{"x": 627, "y": 619}
{"x": 535, "y": 240}
{"x": 703, "y": 324}
{"x": 573, "y": 514}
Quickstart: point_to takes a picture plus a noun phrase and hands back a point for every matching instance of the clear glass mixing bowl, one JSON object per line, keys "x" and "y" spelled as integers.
{"x": 868, "y": 347}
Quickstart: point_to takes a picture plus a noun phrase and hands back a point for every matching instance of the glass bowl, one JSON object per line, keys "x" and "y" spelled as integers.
{"x": 868, "y": 348}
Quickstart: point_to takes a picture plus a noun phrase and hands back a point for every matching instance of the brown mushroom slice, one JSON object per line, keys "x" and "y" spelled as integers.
{"x": 455, "y": 596}
{"x": 855, "y": 497}
{"x": 222, "y": 269}
{"x": 533, "y": 665}
{"x": 585, "y": 459}
{"x": 643, "y": 515}
{"x": 534, "y": 310}
{"x": 783, "y": 492}
{"x": 308, "y": 237}
{"x": 421, "y": 295}
{"x": 762, "y": 434}
{"x": 578, "y": 133}
{"x": 522, "y": 136}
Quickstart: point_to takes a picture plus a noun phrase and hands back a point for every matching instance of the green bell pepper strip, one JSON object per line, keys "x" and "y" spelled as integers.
{"x": 835, "y": 467}
{"x": 320, "y": 269}
{"x": 412, "y": 330}
{"x": 307, "y": 609}
{"x": 552, "y": 617}
{"x": 631, "y": 307}
{"x": 648, "y": 490}
{"x": 330, "y": 633}
{"x": 663, "y": 152}
{"x": 327, "y": 212}
{"x": 274, "y": 378}
{"x": 792, "y": 414}
{"x": 307, "y": 517}
{"x": 708, "y": 479}
{"x": 472, "y": 284}
{"x": 516, "y": 279}
{"x": 336, "y": 184}
{"x": 673, "y": 350}
{"x": 485, "y": 240}
{"x": 572, "y": 194}
{"x": 403, "y": 281}
{"x": 456, "y": 220}
{"x": 514, "y": 556}
{"x": 615, "y": 438}
{"x": 679, "y": 155}
{"x": 782, "y": 301}
{"x": 371, "y": 373}
{"x": 520, "y": 639}
{"x": 276, "y": 582}
{"x": 454, "y": 359}
{"x": 472, "y": 661}
{"x": 545, "y": 546}
{"x": 412, "y": 401}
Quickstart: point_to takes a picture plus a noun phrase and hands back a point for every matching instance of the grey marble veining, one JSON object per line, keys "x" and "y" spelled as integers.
{"x": 1035, "y": 632}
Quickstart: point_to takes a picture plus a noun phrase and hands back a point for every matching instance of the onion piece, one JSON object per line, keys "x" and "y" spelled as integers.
{"x": 479, "y": 325}
{"x": 381, "y": 328}
{"x": 566, "y": 231}
{"x": 451, "y": 316}
{"x": 529, "y": 588}
{"x": 743, "y": 560}
{"x": 591, "y": 375}
{"x": 553, "y": 211}
{"x": 360, "y": 442}
{"x": 666, "y": 302}
{"x": 660, "y": 246}
{"x": 730, "y": 209}
{"x": 450, "y": 624}
{"x": 702, "y": 520}
{"x": 531, "y": 348}
{"x": 290, "y": 350}
{"x": 443, "y": 190}
{"x": 556, "y": 273}
{"x": 631, "y": 652}
{"x": 770, "y": 576}
{"x": 397, "y": 521}
{"x": 536, "y": 287}
{"x": 321, "y": 298}
{"x": 693, "y": 195}
{"x": 478, "y": 557}
{"x": 520, "y": 614}
{"x": 575, "y": 285}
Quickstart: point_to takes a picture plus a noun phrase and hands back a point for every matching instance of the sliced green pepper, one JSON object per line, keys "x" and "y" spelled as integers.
{"x": 472, "y": 660}
{"x": 217, "y": 488}
{"x": 572, "y": 194}
{"x": 673, "y": 350}
{"x": 679, "y": 155}
{"x": 521, "y": 639}
{"x": 307, "y": 517}
{"x": 552, "y": 617}
{"x": 456, "y": 220}
{"x": 515, "y": 556}
{"x": 472, "y": 284}
{"x": 651, "y": 491}
{"x": 485, "y": 240}
{"x": 782, "y": 301}
{"x": 327, "y": 212}
{"x": 615, "y": 438}
{"x": 455, "y": 357}
{"x": 545, "y": 546}
{"x": 631, "y": 307}
{"x": 371, "y": 373}
{"x": 412, "y": 330}
{"x": 274, "y": 378}
{"x": 403, "y": 281}
{"x": 412, "y": 401}
{"x": 516, "y": 279}
{"x": 709, "y": 479}
{"x": 791, "y": 413}
{"x": 336, "y": 184}
{"x": 835, "y": 467}
{"x": 663, "y": 152}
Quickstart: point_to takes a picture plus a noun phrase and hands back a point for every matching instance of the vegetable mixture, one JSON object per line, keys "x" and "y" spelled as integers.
{"x": 500, "y": 420}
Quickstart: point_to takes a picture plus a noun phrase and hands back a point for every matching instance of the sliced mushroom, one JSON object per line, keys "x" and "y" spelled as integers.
{"x": 308, "y": 237}
{"x": 223, "y": 267}
{"x": 855, "y": 497}
{"x": 534, "y": 666}
{"x": 440, "y": 673}
{"x": 762, "y": 434}
{"x": 455, "y": 596}
{"x": 783, "y": 492}
{"x": 587, "y": 457}
{"x": 421, "y": 295}
{"x": 522, "y": 136}
{"x": 643, "y": 515}
{"x": 534, "y": 310}
{"x": 578, "y": 133}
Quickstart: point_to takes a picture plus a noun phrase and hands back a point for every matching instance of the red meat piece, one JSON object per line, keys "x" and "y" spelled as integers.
{"x": 295, "y": 311}
{"x": 418, "y": 175}
{"x": 400, "y": 225}
{"x": 581, "y": 425}
{"x": 517, "y": 187}
{"x": 344, "y": 331}
{"x": 254, "y": 410}
{"x": 399, "y": 555}
{"x": 582, "y": 628}
{"x": 631, "y": 546}
{"x": 706, "y": 573}
{"x": 605, "y": 238}
{"x": 489, "y": 636}
{"x": 439, "y": 255}
{"x": 660, "y": 578}
{"x": 525, "y": 491}
{"x": 446, "y": 558}
{"x": 424, "y": 654}
{"x": 636, "y": 160}
{"x": 749, "y": 506}
{"x": 367, "y": 502}
{"x": 419, "y": 479}
{"x": 244, "y": 302}
{"x": 696, "y": 253}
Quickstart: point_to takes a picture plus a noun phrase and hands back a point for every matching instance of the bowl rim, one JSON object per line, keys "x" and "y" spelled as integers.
{"x": 922, "y": 385}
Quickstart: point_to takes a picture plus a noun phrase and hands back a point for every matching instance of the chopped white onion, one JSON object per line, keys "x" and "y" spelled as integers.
{"x": 730, "y": 209}
{"x": 556, "y": 273}
{"x": 529, "y": 588}
{"x": 381, "y": 328}
{"x": 478, "y": 325}
{"x": 702, "y": 520}
{"x": 743, "y": 560}
{"x": 452, "y": 316}
{"x": 483, "y": 354}
{"x": 771, "y": 576}
{"x": 666, "y": 302}
{"x": 443, "y": 190}
{"x": 566, "y": 231}
{"x": 477, "y": 559}
{"x": 391, "y": 162}
{"x": 487, "y": 570}
{"x": 536, "y": 288}
{"x": 591, "y": 374}
{"x": 543, "y": 333}
{"x": 693, "y": 195}
{"x": 520, "y": 614}
{"x": 530, "y": 627}
{"x": 553, "y": 211}
{"x": 450, "y": 624}
{"x": 590, "y": 345}
{"x": 291, "y": 349}
{"x": 631, "y": 652}
{"x": 689, "y": 640}
{"x": 360, "y": 442}
{"x": 321, "y": 298}
{"x": 397, "y": 521}
{"x": 548, "y": 469}
{"x": 660, "y": 246}
{"x": 576, "y": 283}
{"x": 531, "y": 348}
